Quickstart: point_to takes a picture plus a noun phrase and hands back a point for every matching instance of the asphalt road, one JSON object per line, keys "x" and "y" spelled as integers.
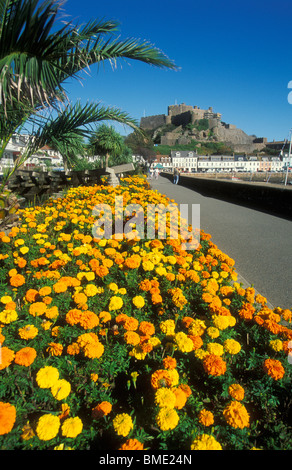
{"x": 260, "y": 243}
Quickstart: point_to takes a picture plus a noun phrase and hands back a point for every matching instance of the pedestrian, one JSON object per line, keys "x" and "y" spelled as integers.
{"x": 175, "y": 175}
{"x": 151, "y": 173}
{"x": 156, "y": 172}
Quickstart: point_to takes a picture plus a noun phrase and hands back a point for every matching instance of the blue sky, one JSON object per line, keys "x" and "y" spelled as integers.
{"x": 233, "y": 55}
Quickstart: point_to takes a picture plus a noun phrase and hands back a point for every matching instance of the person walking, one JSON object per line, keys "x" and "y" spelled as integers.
{"x": 156, "y": 173}
{"x": 175, "y": 175}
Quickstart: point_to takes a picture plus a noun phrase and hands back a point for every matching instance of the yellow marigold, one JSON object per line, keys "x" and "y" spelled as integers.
{"x": 205, "y": 442}
{"x": 167, "y": 419}
{"x": 115, "y": 303}
{"x": 183, "y": 342}
{"x": 276, "y": 345}
{"x": 138, "y": 352}
{"x": 274, "y": 368}
{"x": 197, "y": 327}
{"x": 25, "y": 356}
{"x": 206, "y": 417}
{"x": 236, "y": 415}
{"x": 138, "y": 301}
{"x": 90, "y": 290}
{"x": 47, "y": 427}
{"x": 213, "y": 332}
{"x": 44, "y": 291}
{"x": 7, "y": 356}
{"x": 167, "y": 327}
{"x": 221, "y": 321}
{"x": 132, "y": 444}
{"x": 123, "y": 424}
{"x": 8, "y": 316}
{"x": 214, "y": 365}
{"x": 72, "y": 427}
{"x": 231, "y": 346}
{"x": 165, "y": 397}
{"x": 215, "y": 348}
{"x": 7, "y": 417}
{"x": 236, "y": 391}
{"x": 61, "y": 389}
{"x": 47, "y": 377}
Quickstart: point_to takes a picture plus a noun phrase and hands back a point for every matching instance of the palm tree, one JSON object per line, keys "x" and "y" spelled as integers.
{"x": 106, "y": 142}
{"x": 37, "y": 59}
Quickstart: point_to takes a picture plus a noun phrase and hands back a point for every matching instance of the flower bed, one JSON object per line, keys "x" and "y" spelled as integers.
{"x": 133, "y": 343}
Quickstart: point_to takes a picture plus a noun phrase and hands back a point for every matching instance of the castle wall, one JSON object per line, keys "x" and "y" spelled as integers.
{"x": 152, "y": 122}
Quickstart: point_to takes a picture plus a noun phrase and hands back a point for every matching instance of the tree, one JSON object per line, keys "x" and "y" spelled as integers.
{"x": 37, "y": 59}
{"x": 106, "y": 143}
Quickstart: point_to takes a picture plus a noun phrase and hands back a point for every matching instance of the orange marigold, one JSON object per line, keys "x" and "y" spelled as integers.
{"x": 31, "y": 295}
{"x": 73, "y": 316}
{"x": 236, "y": 415}
{"x": 17, "y": 280}
{"x": 73, "y": 349}
{"x": 132, "y": 444}
{"x": 169, "y": 362}
{"x": 214, "y": 365}
{"x": 161, "y": 378}
{"x": 55, "y": 349}
{"x": 236, "y": 391}
{"x": 88, "y": 320}
{"x": 146, "y": 328}
{"x": 6, "y": 356}
{"x": 25, "y": 356}
{"x": 102, "y": 409}
{"x": 7, "y": 417}
{"x": 274, "y": 368}
{"x": 38, "y": 308}
{"x": 247, "y": 312}
{"x": 131, "y": 337}
{"x": 206, "y": 417}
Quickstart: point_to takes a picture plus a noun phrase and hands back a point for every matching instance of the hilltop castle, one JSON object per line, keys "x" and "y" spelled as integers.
{"x": 179, "y": 116}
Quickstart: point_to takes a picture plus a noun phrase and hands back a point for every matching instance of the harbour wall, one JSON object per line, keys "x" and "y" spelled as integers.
{"x": 260, "y": 196}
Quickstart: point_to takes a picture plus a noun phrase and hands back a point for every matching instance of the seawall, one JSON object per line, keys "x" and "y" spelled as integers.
{"x": 274, "y": 199}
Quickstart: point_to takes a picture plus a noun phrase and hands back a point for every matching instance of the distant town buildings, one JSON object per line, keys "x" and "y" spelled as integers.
{"x": 44, "y": 158}
{"x": 190, "y": 162}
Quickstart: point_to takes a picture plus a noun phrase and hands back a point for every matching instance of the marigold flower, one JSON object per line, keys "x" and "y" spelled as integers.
{"x": 167, "y": 419}
{"x": 25, "y": 356}
{"x": 180, "y": 397}
{"x": 206, "y": 417}
{"x": 165, "y": 397}
{"x": 197, "y": 327}
{"x": 146, "y": 328}
{"x": 47, "y": 376}
{"x": 169, "y": 362}
{"x": 61, "y": 389}
{"x": 123, "y": 424}
{"x": 115, "y": 303}
{"x": 236, "y": 415}
{"x": 6, "y": 356}
{"x": 37, "y": 309}
{"x": 47, "y": 427}
{"x": 205, "y": 442}
{"x": 214, "y": 365}
{"x": 132, "y": 444}
{"x": 8, "y": 316}
{"x": 138, "y": 301}
{"x": 274, "y": 368}
{"x": 276, "y": 345}
{"x": 131, "y": 337}
{"x": 236, "y": 391}
{"x": 72, "y": 427}
{"x": 17, "y": 280}
{"x": 130, "y": 323}
{"x": 55, "y": 349}
{"x": 102, "y": 409}
{"x": 167, "y": 327}
{"x": 88, "y": 320}
{"x": 231, "y": 346}
{"x": 183, "y": 342}
{"x": 73, "y": 349}
{"x": 7, "y": 417}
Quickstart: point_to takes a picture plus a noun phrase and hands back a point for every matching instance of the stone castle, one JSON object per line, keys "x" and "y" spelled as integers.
{"x": 179, "y": 116}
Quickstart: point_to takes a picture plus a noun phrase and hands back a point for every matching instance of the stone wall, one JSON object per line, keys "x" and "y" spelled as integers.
{"x": 152, "y": 122}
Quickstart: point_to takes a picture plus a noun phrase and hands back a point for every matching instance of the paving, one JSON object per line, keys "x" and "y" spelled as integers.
{"x": 260, "y": 243}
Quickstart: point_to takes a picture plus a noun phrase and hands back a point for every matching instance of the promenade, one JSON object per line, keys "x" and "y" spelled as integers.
{"x": 260, "y": 243}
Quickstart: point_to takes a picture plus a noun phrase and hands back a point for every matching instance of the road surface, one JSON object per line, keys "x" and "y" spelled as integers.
{"x": 260, "y": 243}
